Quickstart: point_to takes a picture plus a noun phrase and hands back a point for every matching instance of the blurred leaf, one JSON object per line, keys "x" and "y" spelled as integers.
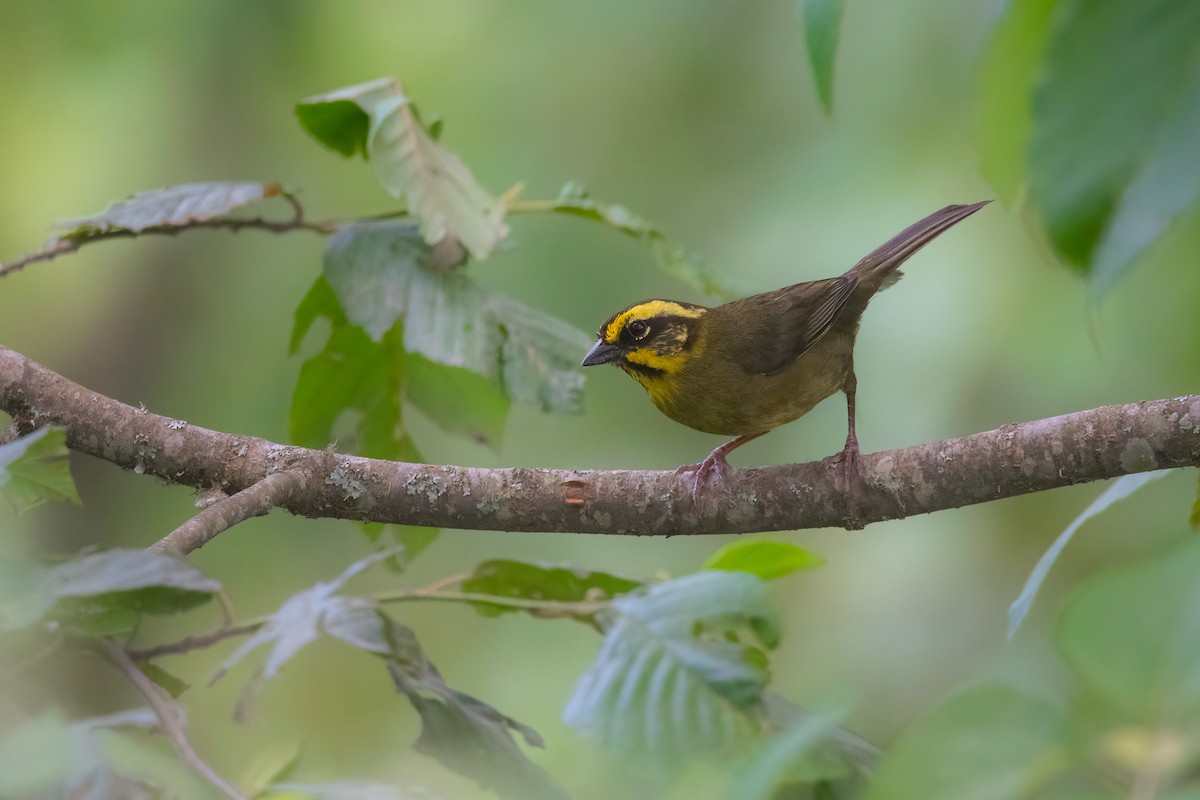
{"x": 406, "y": 542}
{"x": 34, "y": 470}
{"x": 574, "y": 200}
{"x": 437, "y": 188}
{"x": 319, "y": 301}
{"x": 987, "y": 743}
{"x": 1133, "y": 637}
{"x": 174, "y": 206}
{"x": 354, "y": 374}
{"x": 351, "y": 372}
{"x": 170, "y": 683}
{"x": 776, "y": 761}
{"x": 297, "y": 623}
{"x": 671, "y": 680}
{"x": 459, "y": 400}
{"x": 381, "y": 273}
{"x": 764, "y": 558}
{"x": 465, "y": 734}
{"x": 275, "y": 762}
{"x": 1115, "y": 121}
{"x": 505, "y": 578}
{"x": 104, "y": 592}
{"x": 155, "y": 583}
{"x": 822, "y": 24}
{"x": 37, "y": 755}
{"x": 1008, "y": 73}
{"x": 1166, "y": 186}
{"x": 1117, "y": 490}
{"x": 47, "y": 757}
{"x": 348, "y": 790}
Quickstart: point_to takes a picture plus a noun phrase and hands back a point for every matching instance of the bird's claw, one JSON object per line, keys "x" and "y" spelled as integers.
{"x": 713, "y": 470}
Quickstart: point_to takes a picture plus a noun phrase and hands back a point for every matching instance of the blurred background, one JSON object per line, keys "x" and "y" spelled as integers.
{"x": 702, "y": 117}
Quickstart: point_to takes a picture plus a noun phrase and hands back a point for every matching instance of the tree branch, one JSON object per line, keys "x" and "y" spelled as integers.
{"x": 1013, "y": 460}
{"x": 273, "y": 491}
{"x": 168, "y": 718}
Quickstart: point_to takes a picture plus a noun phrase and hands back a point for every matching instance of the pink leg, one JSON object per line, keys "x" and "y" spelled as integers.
{"x": 850, "y": 453}
{"x": 714, "y": 468}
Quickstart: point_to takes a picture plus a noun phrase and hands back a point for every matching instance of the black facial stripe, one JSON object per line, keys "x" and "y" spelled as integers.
{"x": 653, "y": 372}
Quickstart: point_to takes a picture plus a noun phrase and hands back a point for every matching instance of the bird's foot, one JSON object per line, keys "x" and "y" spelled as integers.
{"x": 851, "y": 469}
{"x": 712, "y": 471}
{"x": 852, "y": 482}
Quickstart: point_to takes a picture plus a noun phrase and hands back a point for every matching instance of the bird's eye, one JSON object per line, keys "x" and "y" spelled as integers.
{"x": 638, "y": 329}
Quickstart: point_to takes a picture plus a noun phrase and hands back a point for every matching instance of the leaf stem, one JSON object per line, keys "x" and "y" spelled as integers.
{"x": 531, "y": 206}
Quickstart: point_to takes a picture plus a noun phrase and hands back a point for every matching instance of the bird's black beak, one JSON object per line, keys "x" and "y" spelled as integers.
{"x": 601, "y": 353}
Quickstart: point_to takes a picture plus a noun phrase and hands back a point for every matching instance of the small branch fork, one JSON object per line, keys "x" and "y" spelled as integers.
{"x": 1013, "y": 460}
{"x": 256, "y": 500}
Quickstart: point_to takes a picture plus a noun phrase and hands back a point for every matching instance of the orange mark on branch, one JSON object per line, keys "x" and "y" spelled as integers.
{"x": 575, "y": 491}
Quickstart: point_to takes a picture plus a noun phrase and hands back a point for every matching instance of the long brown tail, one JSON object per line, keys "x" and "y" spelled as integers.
{"x": 879, "y": 266}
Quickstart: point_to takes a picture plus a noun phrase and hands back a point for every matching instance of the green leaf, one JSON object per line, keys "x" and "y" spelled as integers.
{"x": 174, "y": 206}
{"x": 792, "y": 756}
{"x": 1117, "y": 490}
{"x": 519, "y": 579}
{"x": 104, "y": 592}
{"x": 1165, "y": 187}
{"x": 672, "y": 680}
{"x": 987, "y": 743}
{"x": 271, "y": 764}
{"x": 319, "y": 301}
{"x": 437, "y": 188}
{"x": 575, "y": 201}
{"x": 34, "y": 470}
{"x": 1133, "y": 637}
{"x": 822, "y": 24}
{"x": 296, "y": 624}
{"x": 1115, "y": 121}
{"x": 1008, "y": 73}
{"x": 170, "y": 683}
{"x": 465, "y": 734}
{"x": 459, "y": 400}
{"x": 37, "y": 755}
{"x": 382, "y": 273}
{"x": 358, "y": 382}
{"x": 764, "y": 558}
{"x": 351, "y": 372}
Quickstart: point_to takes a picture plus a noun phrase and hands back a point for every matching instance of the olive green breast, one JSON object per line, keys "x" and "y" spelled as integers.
{"x": 714, "y": 391}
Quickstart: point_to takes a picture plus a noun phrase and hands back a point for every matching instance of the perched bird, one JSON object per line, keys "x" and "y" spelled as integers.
{"x": 744, "y": 368}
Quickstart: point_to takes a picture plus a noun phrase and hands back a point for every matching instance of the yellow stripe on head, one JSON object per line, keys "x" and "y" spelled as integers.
{"x": 648, "y": 310}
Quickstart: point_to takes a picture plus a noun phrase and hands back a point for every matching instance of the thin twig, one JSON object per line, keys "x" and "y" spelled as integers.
{"x": 197, "y": 642}
{"x": 542, "y": 608}
{"x": 63, "y": 246}
{"x": 254, "y": 501}
{"x": 168, "y": 718}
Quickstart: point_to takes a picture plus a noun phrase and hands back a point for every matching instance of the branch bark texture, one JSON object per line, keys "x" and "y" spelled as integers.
{"x": 1012, "y": 460}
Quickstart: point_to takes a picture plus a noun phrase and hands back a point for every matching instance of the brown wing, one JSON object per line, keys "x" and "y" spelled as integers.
{"x": 787, "y": 322}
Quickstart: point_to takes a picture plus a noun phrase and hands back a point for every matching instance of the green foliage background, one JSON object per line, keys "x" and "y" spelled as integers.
{"x": 701, "y": 116}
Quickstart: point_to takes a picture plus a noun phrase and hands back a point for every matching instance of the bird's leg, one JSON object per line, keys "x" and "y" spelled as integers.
{"x": 851, "y": 477}
{"x": 714, "y": 468}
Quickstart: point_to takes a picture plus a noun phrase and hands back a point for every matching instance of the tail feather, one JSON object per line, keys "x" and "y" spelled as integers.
{"x": 878, "y": 268}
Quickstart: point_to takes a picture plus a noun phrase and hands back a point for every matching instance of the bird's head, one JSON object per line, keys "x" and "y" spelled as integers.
{"x": 649, "y": 339}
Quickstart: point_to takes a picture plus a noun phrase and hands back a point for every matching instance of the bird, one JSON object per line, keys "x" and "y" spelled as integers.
{"x": 745, "y": 367}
